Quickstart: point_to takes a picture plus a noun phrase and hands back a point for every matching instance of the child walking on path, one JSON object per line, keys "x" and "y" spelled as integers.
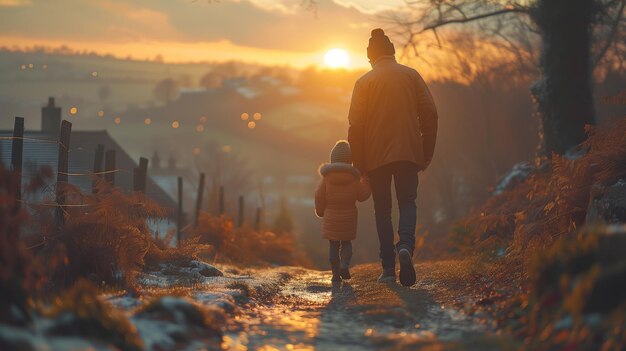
{"x": 335, "y": 201}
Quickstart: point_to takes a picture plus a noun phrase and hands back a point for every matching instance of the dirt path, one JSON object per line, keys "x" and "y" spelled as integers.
{"x": 308, "y": 312}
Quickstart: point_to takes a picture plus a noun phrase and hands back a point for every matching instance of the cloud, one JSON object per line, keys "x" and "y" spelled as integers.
{"x": 139, "y": 22}
{"x": 279, "y": 25}
{"x": 284, "y": 6}
{"x": 372, "y": 6}
{"x": 14, "y": 3}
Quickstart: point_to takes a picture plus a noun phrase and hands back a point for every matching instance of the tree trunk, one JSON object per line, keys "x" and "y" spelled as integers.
{"x": 564, "y": 92}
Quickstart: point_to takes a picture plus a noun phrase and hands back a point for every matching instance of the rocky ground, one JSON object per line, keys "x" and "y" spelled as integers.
{"x": 286, "y": 308}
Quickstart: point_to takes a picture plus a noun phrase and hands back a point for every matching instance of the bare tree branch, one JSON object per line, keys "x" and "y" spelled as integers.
{"x": 612, "y": 34}
{"x": 481, "y": 16}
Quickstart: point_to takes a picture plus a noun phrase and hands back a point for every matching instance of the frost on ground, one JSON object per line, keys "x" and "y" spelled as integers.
{"x": 180, "y": 308}
{"x": 281, "y": 308}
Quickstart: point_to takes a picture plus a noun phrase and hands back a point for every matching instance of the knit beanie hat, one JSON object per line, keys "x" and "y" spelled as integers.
{"x": 341, "y": 153}
{"x": 379, "y": 45}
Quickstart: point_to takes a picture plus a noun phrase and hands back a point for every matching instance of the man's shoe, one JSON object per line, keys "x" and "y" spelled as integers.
{"x": 407, "y": 271}
{"x": 388, "y": 275}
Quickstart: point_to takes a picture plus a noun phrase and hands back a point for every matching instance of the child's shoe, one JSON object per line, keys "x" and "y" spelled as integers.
{"x": 388, "y": 275}
{"x": 334, "y": 267}
{"x": 345, "y": 273}
{"x": 336, "y": 277}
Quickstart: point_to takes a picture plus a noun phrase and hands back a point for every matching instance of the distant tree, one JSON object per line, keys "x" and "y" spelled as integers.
{"x": 211, "y": 80}
{"x": 166, "y": 90}
{"x": 576, "y": 35}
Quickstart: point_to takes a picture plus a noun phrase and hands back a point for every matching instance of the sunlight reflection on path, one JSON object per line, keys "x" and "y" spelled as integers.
{"x": 309, "y": 313}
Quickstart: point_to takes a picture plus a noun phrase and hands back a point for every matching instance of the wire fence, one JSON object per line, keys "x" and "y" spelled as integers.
{"x": 91, "y": 173}
{"x": 69, "y": 174}
{"x": 54, "y": 204}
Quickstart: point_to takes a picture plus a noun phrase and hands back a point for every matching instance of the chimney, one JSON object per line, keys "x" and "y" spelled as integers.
{"x": 51, "y": 118}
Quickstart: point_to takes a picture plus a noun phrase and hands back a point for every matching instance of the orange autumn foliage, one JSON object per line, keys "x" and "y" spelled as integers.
{"x": 245, "y": 245}
{"x": 551, "y": 202}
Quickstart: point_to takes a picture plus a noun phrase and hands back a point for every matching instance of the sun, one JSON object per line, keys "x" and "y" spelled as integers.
{"x": 337, "y": 58}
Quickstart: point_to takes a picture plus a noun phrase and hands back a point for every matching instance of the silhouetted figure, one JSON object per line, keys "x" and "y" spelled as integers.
{"x": 393, "y": 128}
{"x": 338, "y": 191}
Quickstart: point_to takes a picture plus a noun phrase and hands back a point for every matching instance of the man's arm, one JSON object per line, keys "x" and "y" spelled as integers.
{"x": 320, "y": 198}
{"x": 428, "y": 119}
{"x": 356, "y": 131}
{"x": 364, "y": 189}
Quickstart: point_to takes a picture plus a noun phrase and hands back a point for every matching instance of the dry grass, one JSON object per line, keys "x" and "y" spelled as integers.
{"x": 108, "y": 233}
{"x": 246, "y": 246}
{"x": 21, "y": 274}
{"x": 550, "y": 278}
{"x": 550, "y": 203}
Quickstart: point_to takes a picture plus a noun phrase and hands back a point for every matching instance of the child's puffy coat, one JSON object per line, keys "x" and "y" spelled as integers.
{"x": 335, "y": 200}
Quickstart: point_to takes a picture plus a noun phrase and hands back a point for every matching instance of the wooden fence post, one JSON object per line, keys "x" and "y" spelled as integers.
{"x": 62, "y": 176}
{"x": 257, "y": 221}
{"x": 17, "y": 150}
{"x": 199, "y": 200}
{"x": 221, "y": 199}
{"x": 139, "y": 175}
{"x": 240, "y": 217}
{"x": 97, "y": 167}
{"x": 179, "y": 222}
{"x": 109, "y": 167}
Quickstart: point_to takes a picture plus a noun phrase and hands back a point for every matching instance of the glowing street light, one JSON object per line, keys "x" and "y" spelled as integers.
{"x": 251, "y": 124}
{"x": 117, "y": 120}
{"x": 175, "y": 124}
{"x": 147, "y": 121}
{"x": 245, "y": 116}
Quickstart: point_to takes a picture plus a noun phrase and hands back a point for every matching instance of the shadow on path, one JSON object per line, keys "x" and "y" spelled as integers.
{"x": 359, "y": 314}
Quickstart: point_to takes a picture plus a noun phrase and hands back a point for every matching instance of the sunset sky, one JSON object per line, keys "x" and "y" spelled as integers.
{"x": 264, "y": 31}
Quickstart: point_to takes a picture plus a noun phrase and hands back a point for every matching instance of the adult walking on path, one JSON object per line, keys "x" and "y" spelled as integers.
{"x": 393, "y": 129}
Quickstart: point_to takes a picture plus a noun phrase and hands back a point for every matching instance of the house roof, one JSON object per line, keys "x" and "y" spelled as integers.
{"x": 41, "y": 149}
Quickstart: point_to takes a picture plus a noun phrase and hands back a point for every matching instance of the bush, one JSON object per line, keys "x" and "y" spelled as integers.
{"x": 245, "y": 245}
{"x": 577, "y": 290}
{"x": 21, "y": 274}
{"x": 551, "y": 202}
{"x": 106, "y": 233}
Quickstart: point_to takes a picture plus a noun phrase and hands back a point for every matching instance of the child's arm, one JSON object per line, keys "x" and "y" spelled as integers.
{"x": 364, "y": 190}
{"x": 320, "y": 199}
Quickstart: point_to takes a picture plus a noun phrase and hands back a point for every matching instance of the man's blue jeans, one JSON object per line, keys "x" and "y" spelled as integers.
{"x": 405, "y": 179}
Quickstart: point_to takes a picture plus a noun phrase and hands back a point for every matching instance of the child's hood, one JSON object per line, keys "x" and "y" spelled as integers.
{"x": 339, "y": 173}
